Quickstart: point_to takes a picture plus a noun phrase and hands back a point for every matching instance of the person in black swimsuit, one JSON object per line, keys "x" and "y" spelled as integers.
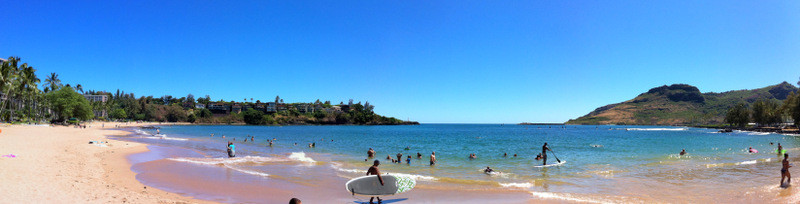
{"x": 785, "y": 170}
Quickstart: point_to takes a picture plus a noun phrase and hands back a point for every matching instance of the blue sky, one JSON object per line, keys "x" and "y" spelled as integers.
{"x": 429, "y": 61}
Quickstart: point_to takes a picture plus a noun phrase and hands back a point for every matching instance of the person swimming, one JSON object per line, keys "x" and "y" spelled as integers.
{"x": 683, "y": 152}
{"x": 408, "y": 148}
{"x": 419, "y": 156}
{"x": 505, "y": 154}
{"x": 539, "y": 157}
{"x": 785, "y": 169}
{"x": 488, "y": 170}
{"x": 750, "y": 150}
{"x": 472, "y": 156}
{"x": 515, "y": 155}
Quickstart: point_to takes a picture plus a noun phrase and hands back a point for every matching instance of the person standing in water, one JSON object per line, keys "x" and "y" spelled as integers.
{"x": 231, "y": 149}
{"x": 785, "y": 169}
{"x": 373, "y": 170}
{"x": 780, "y": 149}
{"x": 433, "y": 158}
{"x": 683, "y": 151}
{"x": 544, "y": 153}
{"x": 370, "y": 153}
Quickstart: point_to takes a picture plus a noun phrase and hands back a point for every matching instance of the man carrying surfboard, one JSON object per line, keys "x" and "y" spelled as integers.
{"x": 373, "y": 170}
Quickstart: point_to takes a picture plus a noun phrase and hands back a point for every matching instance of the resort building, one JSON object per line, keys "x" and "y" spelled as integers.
{"x": 96, "y": 98}
{"x": 199, "y": 106}
{"x": 93, "y": 98}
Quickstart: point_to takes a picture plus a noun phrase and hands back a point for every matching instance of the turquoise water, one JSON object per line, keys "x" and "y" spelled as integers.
{"x": 603, "y": 157}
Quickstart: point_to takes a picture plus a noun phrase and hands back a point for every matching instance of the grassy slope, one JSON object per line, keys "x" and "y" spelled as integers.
{"x": 659, "y": 108}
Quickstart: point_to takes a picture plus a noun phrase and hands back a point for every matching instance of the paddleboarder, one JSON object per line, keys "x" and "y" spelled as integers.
{"x": 544, "y": 153}
{"x": 373, "y": 170}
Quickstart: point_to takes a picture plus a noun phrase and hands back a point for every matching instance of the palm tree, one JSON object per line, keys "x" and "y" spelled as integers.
{"x": 52, "y": 82}
{"x": 10, "y": 74}
{"x": 79, "y": 88}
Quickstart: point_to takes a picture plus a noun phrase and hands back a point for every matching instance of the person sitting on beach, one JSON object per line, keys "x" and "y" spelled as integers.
{"x": 373, "y": 170}
{"x": 399, "y": 157}
{"x": 683, "y": 151}
{"x": 785, "y": 169}
{"x": 539, "y": 157}
{"x": 295, "y": 201}
{"x": 370, "y": 153}
{"x": 408, "y": 160}
{"x": 433, "y": 158}
{"x": 488, "y": 170}
{"x": 419, "y": 156}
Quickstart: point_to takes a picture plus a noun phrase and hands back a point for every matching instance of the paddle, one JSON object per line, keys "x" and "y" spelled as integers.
{"x": 554, "y": 155}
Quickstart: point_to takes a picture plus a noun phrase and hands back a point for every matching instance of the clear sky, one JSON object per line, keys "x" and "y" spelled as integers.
{"x": 429, "y": 61}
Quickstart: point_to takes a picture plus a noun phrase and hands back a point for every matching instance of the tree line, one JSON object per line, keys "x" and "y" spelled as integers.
{"x": 766, "y": 112}
{"x": 23, "y": 101}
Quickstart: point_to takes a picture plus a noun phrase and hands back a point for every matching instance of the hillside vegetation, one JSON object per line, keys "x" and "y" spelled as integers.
{"x": 681, "y": 104}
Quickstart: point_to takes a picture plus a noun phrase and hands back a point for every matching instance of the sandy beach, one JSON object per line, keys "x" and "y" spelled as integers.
{"x": 58, "y": 165}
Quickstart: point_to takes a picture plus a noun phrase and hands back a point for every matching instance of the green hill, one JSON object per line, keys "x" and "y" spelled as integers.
{"x": 680, "y": 104}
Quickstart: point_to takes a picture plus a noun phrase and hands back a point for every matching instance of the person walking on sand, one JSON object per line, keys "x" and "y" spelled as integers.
{"x": 373, "y": 170}
{"x": 785, "y": 170}
{"x": 433, "y": 158}
{"x": 544, "y": 153}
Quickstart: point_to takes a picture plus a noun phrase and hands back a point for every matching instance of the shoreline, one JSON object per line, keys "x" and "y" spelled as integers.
{"x": 56, "y": 164}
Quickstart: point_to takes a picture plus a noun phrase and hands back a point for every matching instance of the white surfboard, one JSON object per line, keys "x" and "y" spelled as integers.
{"x": 549, "y": 165}
{"x": 370, "y": 186}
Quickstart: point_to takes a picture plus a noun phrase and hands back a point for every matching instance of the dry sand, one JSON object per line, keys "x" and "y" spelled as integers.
{"x": 58, "y": 165}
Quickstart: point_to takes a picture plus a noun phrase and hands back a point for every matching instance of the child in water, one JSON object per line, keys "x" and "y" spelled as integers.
{"x": 408, "y": 160}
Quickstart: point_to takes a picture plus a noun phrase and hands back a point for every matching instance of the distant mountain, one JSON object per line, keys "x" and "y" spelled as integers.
{"x": 680, "y": 104}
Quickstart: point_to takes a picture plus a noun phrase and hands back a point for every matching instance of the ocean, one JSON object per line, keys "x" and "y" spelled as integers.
{"x": 601, "y": 163}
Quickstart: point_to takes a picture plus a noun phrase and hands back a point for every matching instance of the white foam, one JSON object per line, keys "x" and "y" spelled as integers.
{"x": 301, "y": 156}
{"x": 547, "y": 195}
{"x": 793, "y": 135}
{"x": 516, "y": 185}
{"x": 338, "y": 167}
{"x": 174, "y": 138}
{"x": 248, "y": 171}
{"x": 747, "y": 162}
{"x": 228, "y": 161}
{"x": 657, "y": 129}
{"x": 416, "y": 177}
{"x": 758, "y": 133}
